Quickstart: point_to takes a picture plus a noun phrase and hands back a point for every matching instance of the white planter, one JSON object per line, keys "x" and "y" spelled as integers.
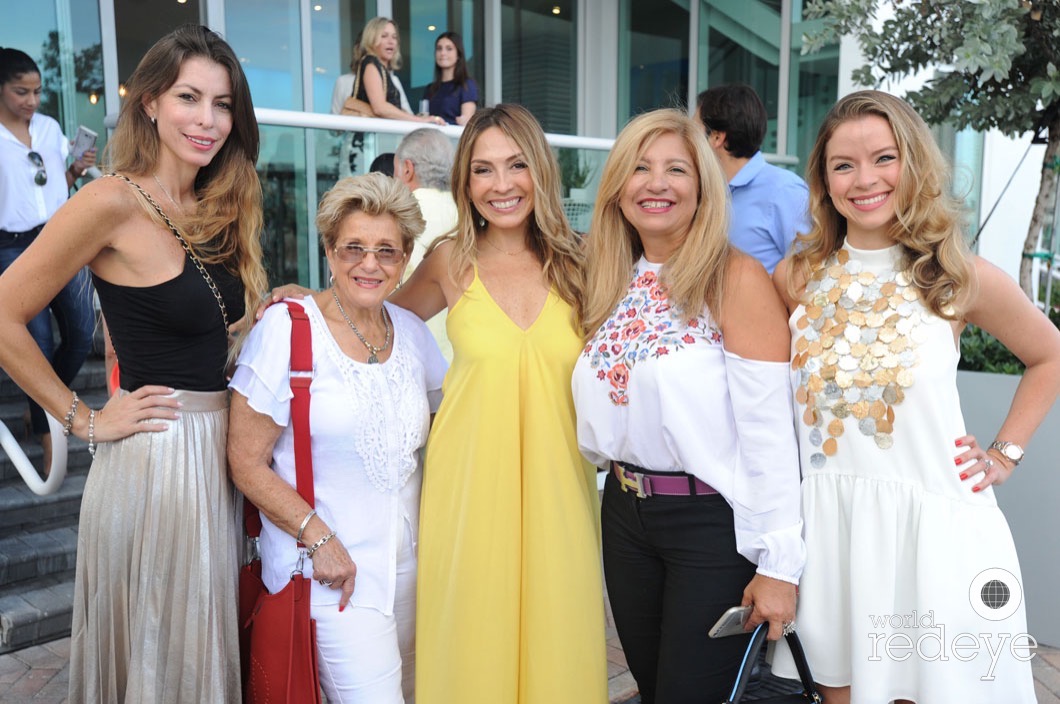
{"x": 1029, "y": 499}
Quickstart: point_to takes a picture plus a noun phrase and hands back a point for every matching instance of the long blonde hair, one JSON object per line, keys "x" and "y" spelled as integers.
{"x": 549, "y": 235}
{"x": 927, "y": 223}
{"x": 373, "y": 29}
{"x": 226, "y": 226}
{"x": 695, "y": 273}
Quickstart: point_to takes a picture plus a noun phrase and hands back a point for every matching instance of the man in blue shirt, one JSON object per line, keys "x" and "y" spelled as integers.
{"x": 769, "y": 204}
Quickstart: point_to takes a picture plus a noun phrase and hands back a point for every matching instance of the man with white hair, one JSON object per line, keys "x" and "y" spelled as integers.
{"x": 423, "y": 162}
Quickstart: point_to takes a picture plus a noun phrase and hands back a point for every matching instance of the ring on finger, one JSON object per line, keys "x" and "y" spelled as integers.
{"x": 789, "y": 628}
{"x": 989, "y": 463}
{"x": 325, "y": 582}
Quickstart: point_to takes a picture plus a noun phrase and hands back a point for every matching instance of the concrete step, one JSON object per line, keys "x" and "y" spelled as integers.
{"x": 21, "y": 509}
{"x": 36, "y": 612}
{"x": 77, "y": 459}
{"x": 12, "y": 410}
{"x": 31, "y": 555}
{"x": 93, "y": 375}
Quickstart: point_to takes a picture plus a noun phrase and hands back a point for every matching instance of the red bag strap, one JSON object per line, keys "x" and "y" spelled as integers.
{"x": 301, "y": 378}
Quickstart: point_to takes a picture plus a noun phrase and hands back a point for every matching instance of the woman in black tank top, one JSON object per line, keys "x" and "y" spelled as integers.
{"x": 172, "y": 241}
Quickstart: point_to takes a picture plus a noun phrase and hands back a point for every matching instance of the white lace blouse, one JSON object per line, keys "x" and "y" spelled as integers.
{"x": 665, "y": 396}
{"x": 369, "y": 425}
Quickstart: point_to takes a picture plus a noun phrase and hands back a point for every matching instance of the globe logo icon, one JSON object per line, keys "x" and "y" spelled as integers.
{"x": 995, "y": 594}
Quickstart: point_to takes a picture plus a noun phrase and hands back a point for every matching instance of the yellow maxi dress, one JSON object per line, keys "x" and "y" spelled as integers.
{"x": 510, "y": 601}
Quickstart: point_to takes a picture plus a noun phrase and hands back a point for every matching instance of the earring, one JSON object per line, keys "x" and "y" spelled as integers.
{"x": 331, "y": 280}
{"x": 481, "y": 221}
{"x": 154, "y": 120}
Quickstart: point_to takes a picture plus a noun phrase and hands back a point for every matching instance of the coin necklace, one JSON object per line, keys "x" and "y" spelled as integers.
{"x": 373, "y": 351}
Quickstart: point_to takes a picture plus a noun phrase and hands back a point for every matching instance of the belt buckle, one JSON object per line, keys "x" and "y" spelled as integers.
{"x": 631, "y": 481}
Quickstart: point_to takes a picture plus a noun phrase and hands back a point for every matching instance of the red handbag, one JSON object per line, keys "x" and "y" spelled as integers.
{"x": 278, "y": 640}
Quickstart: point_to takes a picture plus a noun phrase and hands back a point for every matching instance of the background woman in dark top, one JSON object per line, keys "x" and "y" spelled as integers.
{"x": 453, "y": 94}
{"x": 377, "y": 54}
{"x": 154, "y": 600}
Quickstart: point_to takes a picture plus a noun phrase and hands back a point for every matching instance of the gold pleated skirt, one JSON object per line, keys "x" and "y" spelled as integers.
{"x": 155, "y": 616}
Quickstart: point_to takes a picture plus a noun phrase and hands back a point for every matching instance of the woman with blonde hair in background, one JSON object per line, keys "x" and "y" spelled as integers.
{"x": 898, "y": 498}
{"x": 172, "y": 241}
{"x": 681, "y": 393}
{"x": 510, "y": 599}
{"x": 375, "y": 57}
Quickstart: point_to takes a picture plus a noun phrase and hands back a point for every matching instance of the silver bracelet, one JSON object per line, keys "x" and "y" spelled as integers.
{"x": 305, "y": 522}
{"x": 68, "y": 421}
{"x": 92, "y": 432}
{"x": 319, "y": 544}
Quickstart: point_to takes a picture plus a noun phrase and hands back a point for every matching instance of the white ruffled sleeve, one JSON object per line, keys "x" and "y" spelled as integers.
{"x": 263, "y": 369}
{"x": 426, "y": 349}
{"x": 766, "y": 492}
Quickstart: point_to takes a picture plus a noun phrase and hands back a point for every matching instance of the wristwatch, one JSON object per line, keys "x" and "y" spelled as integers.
{"x": 1010, "y": 450}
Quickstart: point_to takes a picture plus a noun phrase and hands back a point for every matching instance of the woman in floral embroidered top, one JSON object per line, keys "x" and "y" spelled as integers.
{"x": 681, "y": 392}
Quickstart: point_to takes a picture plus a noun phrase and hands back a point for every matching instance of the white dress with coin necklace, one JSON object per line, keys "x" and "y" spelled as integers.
{"x": 898, "y": 547}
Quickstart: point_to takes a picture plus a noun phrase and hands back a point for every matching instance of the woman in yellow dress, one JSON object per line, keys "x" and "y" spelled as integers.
{"x": 510, "y": 602}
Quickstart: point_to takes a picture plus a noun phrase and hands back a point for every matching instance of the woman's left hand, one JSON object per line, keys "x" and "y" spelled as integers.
{"x": 335, "y": 569}
{"x": 977, "y": 460}
{"x": 773, "y": 601}
{"x": 281, "y": 292}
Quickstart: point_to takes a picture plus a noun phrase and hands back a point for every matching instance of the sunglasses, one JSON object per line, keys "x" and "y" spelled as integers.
{"x": 41, "y": 177}
{"x": 354, "y": 254}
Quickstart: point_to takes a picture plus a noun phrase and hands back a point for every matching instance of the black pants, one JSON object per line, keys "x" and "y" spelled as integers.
{"x": 672, "y": 569}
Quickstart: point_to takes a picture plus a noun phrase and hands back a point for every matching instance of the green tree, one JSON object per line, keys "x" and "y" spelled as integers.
{"x": 996, "y": 64}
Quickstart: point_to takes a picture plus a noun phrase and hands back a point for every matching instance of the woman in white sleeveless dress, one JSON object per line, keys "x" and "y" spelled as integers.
{"x": 911, "y": 587}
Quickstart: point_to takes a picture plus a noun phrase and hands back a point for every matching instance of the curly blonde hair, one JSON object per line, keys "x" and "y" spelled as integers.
{"x": 226, "y": 227}
{"x": 549, "y": 235}
{"x": 927, "y": 222}
{"x": 694, "y": 274}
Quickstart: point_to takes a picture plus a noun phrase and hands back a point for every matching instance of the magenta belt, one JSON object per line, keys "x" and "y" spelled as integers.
{"x": 645, "y": 485}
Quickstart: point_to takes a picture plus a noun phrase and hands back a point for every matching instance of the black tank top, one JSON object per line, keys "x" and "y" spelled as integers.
{"x": 172, "y": 333}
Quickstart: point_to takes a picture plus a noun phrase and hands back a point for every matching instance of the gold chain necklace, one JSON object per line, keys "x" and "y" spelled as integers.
{"x": 373, "y": 351}
{"x": 502, "y": 251}
{"x": 165, "y": 190}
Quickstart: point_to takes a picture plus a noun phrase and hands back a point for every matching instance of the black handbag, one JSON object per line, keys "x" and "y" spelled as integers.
{"x": 758, "y": 639}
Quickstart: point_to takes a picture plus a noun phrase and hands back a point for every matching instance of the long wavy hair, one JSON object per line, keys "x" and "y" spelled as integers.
{"x": 695, "y": 273}
{"x": 460, "y": 74}
{"x": 373, "y": 29}
{"x": 226, "y": 226}
{"x": 549, "y": 235}
{"x": 927, "y": 222}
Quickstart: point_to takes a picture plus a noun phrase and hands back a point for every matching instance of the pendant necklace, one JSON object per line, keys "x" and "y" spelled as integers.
{"x": 373, "y": 351}
{"x": 503, "y": 251}
{"x": 168, "y": 195}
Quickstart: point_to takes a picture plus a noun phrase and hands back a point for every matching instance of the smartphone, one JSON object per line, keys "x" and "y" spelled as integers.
{"x": 731, "y": 623}
{"x": 85, "y": 140}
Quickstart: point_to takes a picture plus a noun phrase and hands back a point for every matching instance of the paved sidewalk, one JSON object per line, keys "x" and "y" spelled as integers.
{"x": 39, "y": 675}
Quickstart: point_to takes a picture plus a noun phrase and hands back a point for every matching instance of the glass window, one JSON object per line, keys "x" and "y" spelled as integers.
{"x": 539, "y": 60}
{"x": 814, "y": 87}
{"x": 266, "y": 36}
{"x": 420, "y": 22}
{"x": 64, "y": 39}
{"x": 335, "y": 26}
{"x": 739, "y": 42}
{"x": 653, "y": 56}
{"x": 138, "y": 25}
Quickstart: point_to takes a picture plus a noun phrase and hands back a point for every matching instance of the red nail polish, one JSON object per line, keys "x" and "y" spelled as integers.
{"x": 958, "y": 460}
{"x": 964, "y": 475}
{"x": 975, "y": 489}
{"x": 959, "y": 443}
{"x": 341, "y": 608}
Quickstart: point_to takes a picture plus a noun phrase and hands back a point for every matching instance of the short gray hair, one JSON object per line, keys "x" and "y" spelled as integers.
{"x": 373, "y": 194}
{"x": 431, "y": 153}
